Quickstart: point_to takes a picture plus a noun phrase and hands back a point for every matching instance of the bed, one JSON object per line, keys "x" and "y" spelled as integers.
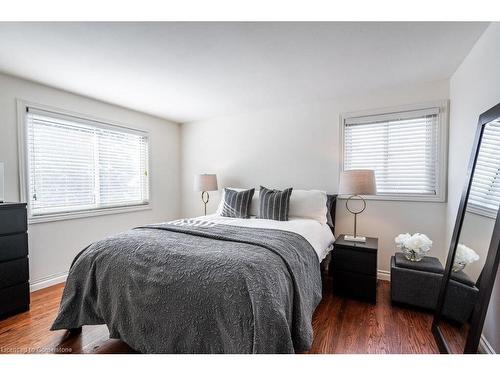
{"x": 202, "y": 285}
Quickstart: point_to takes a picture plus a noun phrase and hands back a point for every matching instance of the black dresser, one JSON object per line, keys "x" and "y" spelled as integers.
{"x": 14, "y": 270}
{"x": 354, "y": 266}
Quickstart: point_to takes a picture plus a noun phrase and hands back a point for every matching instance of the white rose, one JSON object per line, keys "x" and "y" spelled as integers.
{"x": 412, "y": 243}
{"x": 418, "y": 242}
{"x": 402, "y": 238}
{"x": 465, "y": 255}
{"x": 424, "y": 240}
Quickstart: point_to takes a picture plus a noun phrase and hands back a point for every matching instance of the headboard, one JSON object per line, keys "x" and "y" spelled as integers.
{"x": 331, "y": 203}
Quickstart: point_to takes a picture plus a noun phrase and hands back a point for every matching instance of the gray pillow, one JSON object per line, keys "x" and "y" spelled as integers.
{"x": 237, "y": 203}
{"x": 330, "y": 213}
{"x": 274, "y": 204}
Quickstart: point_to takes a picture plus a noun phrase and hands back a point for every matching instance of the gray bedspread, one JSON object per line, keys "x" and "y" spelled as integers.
{"x": 194, "y": 287}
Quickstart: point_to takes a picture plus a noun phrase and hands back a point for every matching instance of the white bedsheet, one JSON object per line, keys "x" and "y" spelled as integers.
{"x": 318, "y": 235}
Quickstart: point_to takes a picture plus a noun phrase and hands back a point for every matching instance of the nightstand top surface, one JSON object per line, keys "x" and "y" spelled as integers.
{"x": 370, "y": 244}
{"x": 11, "y": 204}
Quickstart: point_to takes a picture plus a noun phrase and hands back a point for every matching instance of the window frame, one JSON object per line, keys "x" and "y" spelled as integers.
{"x": 479, "y": 210}
{"x": 22, "y": 106}
{"x": 441, "y": 173}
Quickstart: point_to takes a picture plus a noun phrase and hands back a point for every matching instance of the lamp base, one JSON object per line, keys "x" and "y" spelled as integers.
{"x": 354, "y": 239}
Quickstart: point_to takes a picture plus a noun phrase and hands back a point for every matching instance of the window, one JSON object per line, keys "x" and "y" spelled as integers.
{"x": 405, "y": 148}
{"x": 484, "y": 196}
{"x": 75, "y": 165}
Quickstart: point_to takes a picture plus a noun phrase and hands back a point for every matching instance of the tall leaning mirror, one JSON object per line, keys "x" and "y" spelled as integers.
{"x": 473, "y": 258}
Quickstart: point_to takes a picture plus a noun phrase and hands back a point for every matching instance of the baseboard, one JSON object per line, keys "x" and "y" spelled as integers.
{"x": 383, "y": 275}
{"x": 48, "y": 281}
{"x": 485, "y": 347}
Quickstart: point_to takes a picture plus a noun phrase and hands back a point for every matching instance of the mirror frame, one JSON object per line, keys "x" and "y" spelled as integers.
{"x": 492, "y": 259}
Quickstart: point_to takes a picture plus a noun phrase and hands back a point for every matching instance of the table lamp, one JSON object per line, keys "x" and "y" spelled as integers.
{"x": 357, "y": 182}
{"x": 205, "y": 183}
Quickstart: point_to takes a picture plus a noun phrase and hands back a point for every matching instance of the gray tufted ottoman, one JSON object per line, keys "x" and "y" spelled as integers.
{"x": 418, "y": 283}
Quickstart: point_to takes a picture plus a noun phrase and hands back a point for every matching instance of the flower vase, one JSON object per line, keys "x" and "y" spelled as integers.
{"x": 414, "y": 255}
{"x": 458, "y": 266}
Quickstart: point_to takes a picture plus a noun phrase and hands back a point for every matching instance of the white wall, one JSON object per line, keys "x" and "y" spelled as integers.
{"x": 299, "y": 146}
{"x": 52, "y": 246}
{"x": 474, "y": 88}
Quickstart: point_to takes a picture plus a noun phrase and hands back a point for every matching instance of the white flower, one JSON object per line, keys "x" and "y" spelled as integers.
{"x": 402, "y": 238}
{"x": 417, "y": 242}
{"x": 465, "y": 255}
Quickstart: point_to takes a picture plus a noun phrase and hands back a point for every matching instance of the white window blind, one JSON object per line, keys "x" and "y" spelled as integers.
{"x": 75, "y": 164}
{"x": 485, "y": 189}
{"x": 402, "y": 148}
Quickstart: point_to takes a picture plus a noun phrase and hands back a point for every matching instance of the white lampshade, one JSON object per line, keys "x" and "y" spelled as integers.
{"x": 205, "y": 182}
{"x": 358, "y": 182}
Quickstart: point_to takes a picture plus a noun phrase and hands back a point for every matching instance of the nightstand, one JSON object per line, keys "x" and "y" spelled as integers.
{"x": 354, "y": 266}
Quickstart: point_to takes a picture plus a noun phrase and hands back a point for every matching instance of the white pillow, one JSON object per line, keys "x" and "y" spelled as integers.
{"x": 309, "y": 204}
{"x": 254, "y": 205}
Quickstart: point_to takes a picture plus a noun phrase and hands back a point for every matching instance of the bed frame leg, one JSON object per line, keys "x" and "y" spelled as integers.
{"x": 75, "y": 331}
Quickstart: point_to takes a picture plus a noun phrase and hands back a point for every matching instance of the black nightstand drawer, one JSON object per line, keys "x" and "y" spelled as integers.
{"x": 355, "y": 285}
{"x": 13, "y": 220}
{"x": 13, "y": 272}
{"x": 354, "y": 268}
{"x": 13, "y": 246}
{"x": 14, "y": 299}
{"x": 352, "y": 260}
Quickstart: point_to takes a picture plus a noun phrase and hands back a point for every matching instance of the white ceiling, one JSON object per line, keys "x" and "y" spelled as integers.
{"x": 192, "y": 71}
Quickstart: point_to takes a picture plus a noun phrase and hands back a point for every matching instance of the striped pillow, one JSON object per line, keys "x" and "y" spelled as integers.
{"x": 237, "y": 203}
{"x": 274, "y": 204}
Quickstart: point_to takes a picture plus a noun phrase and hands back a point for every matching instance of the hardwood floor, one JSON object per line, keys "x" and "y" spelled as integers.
{"x": 348, "y": 326}
{"x": 340, "y": 326}
{"x": 29, "y": 332}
